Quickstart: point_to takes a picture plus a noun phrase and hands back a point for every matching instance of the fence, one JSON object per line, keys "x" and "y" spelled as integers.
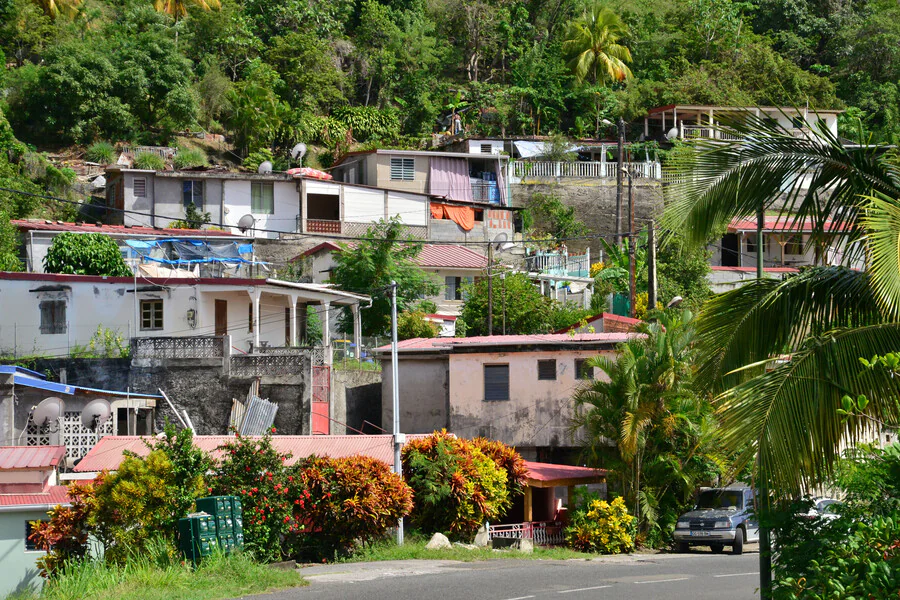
{"x": 178, "y": 347}
{"x": 261, "y": 365}
{"x": 558, "y": 263}
{"x": 584, "y": 169}
{"x": 161, "y": 151}
{"x": 542, "y": 533}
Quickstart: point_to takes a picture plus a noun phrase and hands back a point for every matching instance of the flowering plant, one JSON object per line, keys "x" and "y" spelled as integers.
{"x": 601, "y": 526}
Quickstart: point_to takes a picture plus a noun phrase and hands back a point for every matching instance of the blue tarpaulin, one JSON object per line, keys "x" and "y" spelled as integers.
{"x": 176, "y": 251}
{"x": 32, "y": 379}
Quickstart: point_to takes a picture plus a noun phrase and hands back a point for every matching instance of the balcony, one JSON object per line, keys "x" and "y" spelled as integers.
{"x": 583, "y": 169}
{"x": 559, "y": 263}
{"x": 323, "y": 226}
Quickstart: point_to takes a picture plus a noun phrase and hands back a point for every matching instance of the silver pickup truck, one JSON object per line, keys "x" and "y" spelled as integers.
{"x": 722, "y": 517}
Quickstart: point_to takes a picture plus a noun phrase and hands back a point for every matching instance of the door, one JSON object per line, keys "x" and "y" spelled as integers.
{"x": 221, "y": 317}
{"x": 731, "y": 250}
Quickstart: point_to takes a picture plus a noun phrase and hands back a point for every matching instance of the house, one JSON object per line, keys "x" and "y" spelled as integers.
{"x": 603, "y": 323}
{"x": 691, "y": 121}
{"x": 723, "y": 279}
{"x": 451, "y": 265}
{"x": 28, "y": 490}
{"x": 50, "y": 314}
{"x": 21, "y": 391}
{"x": 38, "y": 235}
{"x": 513, "y": 388}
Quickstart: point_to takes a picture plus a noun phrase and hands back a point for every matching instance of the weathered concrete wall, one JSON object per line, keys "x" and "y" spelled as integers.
{"x": 595, "y": 203}
{"x": 424, "y": 394}
{"x": 357, "y": 398}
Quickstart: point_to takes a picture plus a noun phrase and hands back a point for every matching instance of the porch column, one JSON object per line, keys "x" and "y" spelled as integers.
{"x": 255, "y": 296}
{"x": 570, "y": 497}
{"x": 357, "y": 330}
{"x": 326, "y": 324}
{"x": 293, "y": 340}
{"x": 664, "y": 123}
{"x": 528, "y": 504}
{"x": 646, "y": 127}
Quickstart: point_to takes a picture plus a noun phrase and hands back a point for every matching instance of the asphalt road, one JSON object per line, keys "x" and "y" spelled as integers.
{"x": 696, "y": 576}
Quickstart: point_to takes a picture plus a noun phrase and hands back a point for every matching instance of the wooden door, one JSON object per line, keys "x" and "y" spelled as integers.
{"x": 221, "y": 317}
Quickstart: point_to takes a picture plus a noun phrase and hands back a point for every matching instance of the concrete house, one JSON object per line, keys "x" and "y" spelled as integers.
{"x": 28, "y": 490}
{"x": 515, "y": 388}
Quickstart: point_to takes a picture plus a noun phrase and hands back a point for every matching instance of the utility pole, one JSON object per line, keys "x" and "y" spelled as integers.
{"x": 651, "y": 267}
{"x": 503, "y": 298}
{"x": 399, "y": 438}
{"x": 632, "y": 240}
{"x": 621, "y": 128}
{"x": 490, "y": 323}
{"x": 765, "y": 537}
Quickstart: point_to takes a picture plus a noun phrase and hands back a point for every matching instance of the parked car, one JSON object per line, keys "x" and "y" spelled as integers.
{"x": 722, "y": 517}
{"x": 824, "y": 508}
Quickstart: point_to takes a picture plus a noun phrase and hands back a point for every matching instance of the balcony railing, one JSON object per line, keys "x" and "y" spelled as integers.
{"x": 692, "y": 132}
{"x": 487, "y": 191}
{"x": 542, "y": 533}
{"x": 559, "y": 263}
{"x": 178, "y": 347}
{"x": 583, "y": 169}
{"x": 323, "y": 226}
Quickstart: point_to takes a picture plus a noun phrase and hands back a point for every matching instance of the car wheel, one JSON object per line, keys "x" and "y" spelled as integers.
{"x": 683, "y": 547}
{"x": 738, "y": 547}
{"x": 717, "y": 548}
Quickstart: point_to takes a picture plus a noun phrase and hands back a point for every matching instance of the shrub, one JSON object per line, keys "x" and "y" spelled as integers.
{"x": 185, "y": 158}
{"x": 101, "y": 152}
{"x": 412, "y": 324}
{"x": 507, "y": 459}
{"x": 456, "y": 487}
{"x": 64, "y": 537}
{"x": 189, "y": 466}
{"x": 254, "y": 159}
{"x": 344, "y": 502}
{"x": 148, "y": 160}
{"x": 253, "y": 470}
{"x": 85, "y": 254}
{"x": 601, "y": 526}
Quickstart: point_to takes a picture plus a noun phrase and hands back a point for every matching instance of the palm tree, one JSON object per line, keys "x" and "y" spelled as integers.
{"x": 177, "y": 9}
{"x": 782, "y": 354}
{"x": 52, "y": 8}
{"x": 591, "y": 46}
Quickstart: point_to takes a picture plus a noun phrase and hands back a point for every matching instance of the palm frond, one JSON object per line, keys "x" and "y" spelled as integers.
{"x": 882, "y": 225}
{"x": 789, "y": 415}
{"x": 766, "y": 318}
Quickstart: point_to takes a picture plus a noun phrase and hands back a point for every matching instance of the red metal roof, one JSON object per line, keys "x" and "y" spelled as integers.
{"x": 36, "y": 225}
{"x": 109, "y": 451}
{"x": 509, "y": 340}
{"x": 55, "y": 494}
{"x": 776, "y": 224}
{"x": 753, "y": 269}
{"x": 30, "y": 457}
{"x": 434, "y": 256}
{"x": 600, "y": 317}
{"x": 441, "y": 317}
{"x": 546, "y": 472}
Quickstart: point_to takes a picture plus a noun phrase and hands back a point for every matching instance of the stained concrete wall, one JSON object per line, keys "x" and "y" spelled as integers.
{"x": 20, "y": 572}
{"x": 424, "y": 394}
{"x": 356, "y": 397}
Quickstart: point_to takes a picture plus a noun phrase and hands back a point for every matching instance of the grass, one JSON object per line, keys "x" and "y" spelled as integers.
{"x": 186, "y": 158}
{"x": 414, "y": 549}
{"x": 140, "y": 579}
{"x": 148, "y": 160}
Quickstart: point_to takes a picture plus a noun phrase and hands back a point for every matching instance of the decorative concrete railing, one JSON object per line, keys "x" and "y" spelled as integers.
{"x": 260, "y": 365}
{"x": 316, "y": 353}
{"x": 583, "y": 169}
{"x": 323, "y": 226}
{"x": 542, "y": 533}
{"x": 178, "y": 347}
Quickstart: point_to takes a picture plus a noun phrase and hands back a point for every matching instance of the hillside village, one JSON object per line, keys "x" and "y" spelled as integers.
{"x": 584, "y": 258}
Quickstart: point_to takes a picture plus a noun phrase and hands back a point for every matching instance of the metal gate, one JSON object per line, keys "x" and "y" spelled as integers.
{"x": 321, "y": 384}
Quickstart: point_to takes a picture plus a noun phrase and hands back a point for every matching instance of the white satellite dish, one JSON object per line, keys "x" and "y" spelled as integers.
{"x": 501, "y": 242}
{"x": 48, "y": 411}
{"x": 298, "y": 151}
{"x": 672, "y": 134}
{"x": 95, "y": 414}
{"x": 265, "y": 167}
{"x": 246, "y": 222}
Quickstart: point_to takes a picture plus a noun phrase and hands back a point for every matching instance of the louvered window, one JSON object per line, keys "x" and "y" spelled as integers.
{"x": 53, "y": 316}
{"x": 547, "y": 369}
{"x": 403, "y": 169}
{"x": 486, "y": 148}
{"x": 140, "y": 187}
{"x": 496, "y": 382}
{"x": 583, "y": 370}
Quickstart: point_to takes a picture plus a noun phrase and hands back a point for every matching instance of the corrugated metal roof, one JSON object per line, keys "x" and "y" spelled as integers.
{"x": 450, "y": 256}
{"x": 109, "y": 451}
{"x": 509, "y": 340}
{"x": 30, "y": 457}
{"x": 32, "y": 225}
{"x": 55, "y": 494}
{"x": 786, "y": 224}
{"x": 539, "y": 471}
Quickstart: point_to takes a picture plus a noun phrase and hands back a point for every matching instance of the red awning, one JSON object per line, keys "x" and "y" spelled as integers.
{"x": 551, "y": 475}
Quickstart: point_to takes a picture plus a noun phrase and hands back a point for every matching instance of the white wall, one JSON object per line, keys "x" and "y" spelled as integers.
{"x": 363, "y": 205}
{"x": 283, "y": 219}
{"x": 475, "y": 146}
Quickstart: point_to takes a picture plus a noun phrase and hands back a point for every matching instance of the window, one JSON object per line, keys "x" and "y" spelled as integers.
{"x": 751, "y": 243}
{"x": 53, "y": 316}
{"x": 798, "y": 122}
{"x": 486, "y": 148}
{"x": 403, "y": 169}
{"x": 140, "y": 187}
{"x": 794, "y": 245}
{"x": 453, "y": 287}
{"x": 151, "y": 314}
{"x": 192, "y": 193}
{"x": 479, "y": 216}
{"x": 582, "y": 369}
{"x": 496, "y": 382}
{"x": 29, "y": 545}
{"x": 262, "y": 197}
{"x": 547, "y": 370}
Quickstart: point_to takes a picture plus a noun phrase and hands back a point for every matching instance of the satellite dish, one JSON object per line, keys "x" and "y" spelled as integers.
{"x": 501, "y": 242}
{"x": 674, "y": 302}
{"x": 95, "y": 414}
{"x": 246, "y": 222}
{"x": 48, "y": 411}
{"x": 298, "y": 151}
{"x": 264, "y": 167}
{"x": 672, "y": 134}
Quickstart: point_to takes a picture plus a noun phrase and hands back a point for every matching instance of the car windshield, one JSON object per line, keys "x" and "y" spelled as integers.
{"x": 728, "y": 499}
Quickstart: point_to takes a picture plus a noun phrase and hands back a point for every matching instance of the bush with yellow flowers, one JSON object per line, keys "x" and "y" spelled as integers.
{"x": 602, "y": 527}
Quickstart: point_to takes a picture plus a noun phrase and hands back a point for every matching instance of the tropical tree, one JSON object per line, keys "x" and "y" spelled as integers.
{"x": 53, "y": 8}
{"x": 782, "y": 354}
{"x": 593, "y": 52}
{"x": 644, "y": 422}
{"x": 177, "y": 9}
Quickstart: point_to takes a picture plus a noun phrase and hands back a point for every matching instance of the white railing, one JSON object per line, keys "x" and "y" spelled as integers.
{"x": 542, "y": 533}
{"x": 582, "y": 169}
{"x": 692, "y": 132}
{"x": 560, "y": 263}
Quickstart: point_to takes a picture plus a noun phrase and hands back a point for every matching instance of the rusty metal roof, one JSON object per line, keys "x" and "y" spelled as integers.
{"x": 21, "y": 458}
{"x": 55, "y": 494}
{"x": 561, "y": 339}
{"x": 109, "y": 451}
{"x": 59, "y": 226}
{"x": 539, "y": 472}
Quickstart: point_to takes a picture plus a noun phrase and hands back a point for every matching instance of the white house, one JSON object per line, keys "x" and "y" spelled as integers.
{"x": 50, "y": 314}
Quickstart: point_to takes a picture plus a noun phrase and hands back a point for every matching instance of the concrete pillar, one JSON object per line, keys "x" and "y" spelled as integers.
{"x": 293, "y": 340}
{"x": 255, "y": 297}
{"x": 528, "y": 505}
{"x": 326, "y": 324}
{"x": 357, "y": 330}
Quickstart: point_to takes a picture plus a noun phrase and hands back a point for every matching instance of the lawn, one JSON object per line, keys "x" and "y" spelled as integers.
{"x": 216, "y": 577}
{"x": 414, "y": 548}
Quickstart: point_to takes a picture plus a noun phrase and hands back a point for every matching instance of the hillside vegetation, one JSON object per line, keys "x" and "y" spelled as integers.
{"x": 338, "y": 74}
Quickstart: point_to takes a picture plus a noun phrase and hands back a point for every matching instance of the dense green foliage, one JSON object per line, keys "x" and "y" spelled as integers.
{"x": 271, "y": 74}
{"x": 85, "y": 254}
{"x": 412, "y": 324}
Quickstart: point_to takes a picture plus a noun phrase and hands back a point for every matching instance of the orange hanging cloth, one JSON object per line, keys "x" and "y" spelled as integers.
{"x": 464, "y": 216}
{"x": 437, "y": 210}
